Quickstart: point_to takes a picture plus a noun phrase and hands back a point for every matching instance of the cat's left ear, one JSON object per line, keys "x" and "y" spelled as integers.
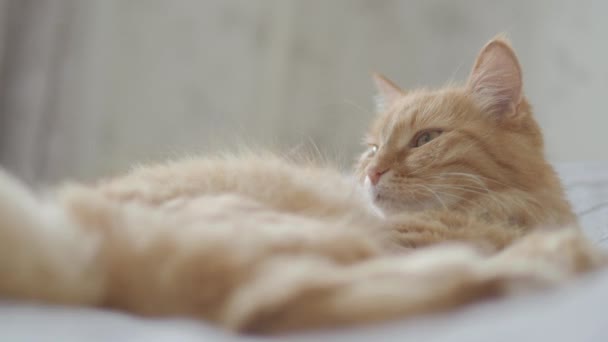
{"x": 388, "y": 92}
{"x": 496, "y": 80}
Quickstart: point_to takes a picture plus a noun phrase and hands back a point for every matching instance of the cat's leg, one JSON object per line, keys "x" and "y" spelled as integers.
{"x": 549, "y": 256}
{"x": 301, "y": 293}
{"x": 44, "y": 255}
{"x": 416, "y": 231}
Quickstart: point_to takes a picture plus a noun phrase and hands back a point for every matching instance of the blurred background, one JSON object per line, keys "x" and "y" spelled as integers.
{"x": 89, "y": 87}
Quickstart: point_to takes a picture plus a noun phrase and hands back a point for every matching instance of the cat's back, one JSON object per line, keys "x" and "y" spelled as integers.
{"x": 293, "y": 185}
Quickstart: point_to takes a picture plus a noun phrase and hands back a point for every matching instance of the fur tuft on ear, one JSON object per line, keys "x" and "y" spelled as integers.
{"x": 388, "y": 92}
{"x": 496, "y": 80}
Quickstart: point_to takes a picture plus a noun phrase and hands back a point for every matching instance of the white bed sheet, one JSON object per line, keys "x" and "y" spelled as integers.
{"x": 575, "y": 313}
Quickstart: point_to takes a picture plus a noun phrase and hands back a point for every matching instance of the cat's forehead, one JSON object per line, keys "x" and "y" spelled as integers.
{"x": 422, "y": 110}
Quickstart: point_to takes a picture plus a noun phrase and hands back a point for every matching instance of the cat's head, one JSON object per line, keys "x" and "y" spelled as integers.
{"x": 435, "y": 148}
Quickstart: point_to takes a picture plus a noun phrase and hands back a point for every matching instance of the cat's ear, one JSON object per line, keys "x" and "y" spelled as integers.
{"x": 496, "y": 81}
{"x": 387, "y": 92}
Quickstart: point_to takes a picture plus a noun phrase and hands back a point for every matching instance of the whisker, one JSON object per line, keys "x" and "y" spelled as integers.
{"x": 461, "y": 198}
{"x": 479, "y": 178}
{"x": 505, "y": 206}
{"x": 479, "y": 189}
{"x": 359, "y": 107}
{"x": 435, "y": 195}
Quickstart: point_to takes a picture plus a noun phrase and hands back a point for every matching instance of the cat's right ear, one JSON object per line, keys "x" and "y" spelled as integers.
{"x": 387, "y": 92}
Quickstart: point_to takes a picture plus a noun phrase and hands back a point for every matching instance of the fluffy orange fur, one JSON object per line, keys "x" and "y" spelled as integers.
{"x": 258, "y": 243}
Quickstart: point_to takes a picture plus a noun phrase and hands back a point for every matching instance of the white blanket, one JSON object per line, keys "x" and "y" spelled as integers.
{"x": 575, "y": 313}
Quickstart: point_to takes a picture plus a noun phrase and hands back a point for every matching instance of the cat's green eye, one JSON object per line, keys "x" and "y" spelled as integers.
{"x": 425, "y": 137}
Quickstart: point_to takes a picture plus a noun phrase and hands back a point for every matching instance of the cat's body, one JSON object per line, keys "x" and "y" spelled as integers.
{"x": 258, "y": 243}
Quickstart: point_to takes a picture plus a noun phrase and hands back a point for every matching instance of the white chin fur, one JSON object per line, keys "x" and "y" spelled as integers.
{"x": 372, "y": 192}
{"x": 367, "y": 184}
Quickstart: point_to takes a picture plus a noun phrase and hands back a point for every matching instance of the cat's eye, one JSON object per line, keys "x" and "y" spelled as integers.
{"x": 373, "y": 148}
{"x": 425, "y": 137}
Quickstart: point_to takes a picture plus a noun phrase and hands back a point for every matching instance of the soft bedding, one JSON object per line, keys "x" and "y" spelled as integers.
{"x": 576, "y": 312}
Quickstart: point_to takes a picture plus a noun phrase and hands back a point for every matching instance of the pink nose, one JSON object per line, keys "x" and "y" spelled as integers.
{"x": 374, "y": 175}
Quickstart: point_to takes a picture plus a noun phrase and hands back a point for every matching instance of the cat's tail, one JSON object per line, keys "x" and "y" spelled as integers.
{"x": 44, "y": 255}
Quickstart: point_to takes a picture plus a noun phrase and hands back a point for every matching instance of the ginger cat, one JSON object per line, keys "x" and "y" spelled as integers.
{"x": 469, "y": 210}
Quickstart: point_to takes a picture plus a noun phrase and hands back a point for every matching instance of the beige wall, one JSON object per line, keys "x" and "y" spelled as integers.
{"x": 89, "y": 87}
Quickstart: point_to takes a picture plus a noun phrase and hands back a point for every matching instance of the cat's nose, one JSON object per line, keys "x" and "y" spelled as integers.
{"x": 374, "y": 174}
